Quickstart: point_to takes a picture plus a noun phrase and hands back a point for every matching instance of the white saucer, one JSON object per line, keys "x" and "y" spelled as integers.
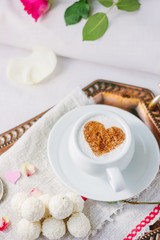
{"x": 138, "y": 175}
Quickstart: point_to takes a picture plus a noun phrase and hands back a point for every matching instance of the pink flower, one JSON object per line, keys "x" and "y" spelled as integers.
{"x": 28, "y": 169}
{"x": 4, "y": 222}
{"x": 84, "y": 198}
{"x": 35, "y": 192}
{"x": 36, "y": 7}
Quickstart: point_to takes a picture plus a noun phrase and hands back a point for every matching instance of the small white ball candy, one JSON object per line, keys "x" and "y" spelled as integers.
{"x": 78, "y": 202}
{"x": 17, "y": 201}
{"x": 53, "y": 228}
{"x": 78, "y": 225}
{"x": 33, "y": 209}
{"x": 28, "y": 230}
{"x": 45, "y": 199}
{"x": 60, "y": 207}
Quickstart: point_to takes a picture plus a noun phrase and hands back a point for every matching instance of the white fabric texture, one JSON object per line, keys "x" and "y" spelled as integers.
{"x": 131, "y": 42}
{"x": 32, "y": 147}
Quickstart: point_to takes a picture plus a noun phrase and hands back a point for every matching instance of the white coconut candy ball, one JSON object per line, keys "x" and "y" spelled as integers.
{"x": 53, "y": 228}
{"x": 17, "y": 201}
{"x": 78, "y": 225}
{"x": 28, "y": 230}
{"x": 45, "y": 199}
{"x": 60, "y": 207}
{"x": 33, "y": 209}
{"x": 78, "y": 202}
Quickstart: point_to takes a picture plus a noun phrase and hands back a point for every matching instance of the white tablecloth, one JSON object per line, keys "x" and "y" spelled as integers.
{"x": 131, "y": 41}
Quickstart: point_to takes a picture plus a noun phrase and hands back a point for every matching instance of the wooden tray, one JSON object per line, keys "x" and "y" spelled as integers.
{"x": 131, "y": 98}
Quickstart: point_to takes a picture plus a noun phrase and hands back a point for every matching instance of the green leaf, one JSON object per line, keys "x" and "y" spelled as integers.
{"x": 75, "y": 12}
{"x": 106, "y": 3}
{"x": 95, "y": 27}
{"x": 128, "y": 5}
{"x": 50, "y": 3}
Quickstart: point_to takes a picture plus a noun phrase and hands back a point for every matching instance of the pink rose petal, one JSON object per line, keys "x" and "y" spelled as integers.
{"x": 36, "y": 7}
{"x": 28, "y": 169}
{"x": 4, "y": 222}
{"x": 35, "y": 192}
{"x": 12, "y": 176}
{"x": 84, "y": 198}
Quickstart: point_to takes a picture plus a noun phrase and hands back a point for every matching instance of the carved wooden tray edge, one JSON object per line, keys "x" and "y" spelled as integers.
{"x": 132, "y": 96}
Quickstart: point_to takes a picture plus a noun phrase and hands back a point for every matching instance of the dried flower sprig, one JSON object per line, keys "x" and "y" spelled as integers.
{"x": 135, "y": 202}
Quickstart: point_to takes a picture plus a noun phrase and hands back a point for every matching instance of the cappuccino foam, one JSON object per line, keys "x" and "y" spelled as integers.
{"x": 108, "y": 122}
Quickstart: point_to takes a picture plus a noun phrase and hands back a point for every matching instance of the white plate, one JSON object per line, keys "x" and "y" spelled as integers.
{"x": 138, "y": 175}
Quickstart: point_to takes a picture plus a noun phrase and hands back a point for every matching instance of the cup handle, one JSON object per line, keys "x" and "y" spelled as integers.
{"x": 115, "y": 179}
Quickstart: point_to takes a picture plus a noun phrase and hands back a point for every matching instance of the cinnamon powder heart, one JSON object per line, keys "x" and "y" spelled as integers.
{"x": 102, "y": 140}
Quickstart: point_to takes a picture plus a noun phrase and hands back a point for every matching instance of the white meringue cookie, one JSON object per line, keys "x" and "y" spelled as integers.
{"x": 60, "y": 207}
{"x": 78, "y": 202}
{"x": 18, "y": 200}
{"x": 28, "y": 230}
{"x": 78, "y": 225}
{"x": 33, "y": 209}
{"x": 53, "y": 228}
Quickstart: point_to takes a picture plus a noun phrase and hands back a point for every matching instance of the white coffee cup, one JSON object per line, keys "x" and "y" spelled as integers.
{"x": 112, "y": 167}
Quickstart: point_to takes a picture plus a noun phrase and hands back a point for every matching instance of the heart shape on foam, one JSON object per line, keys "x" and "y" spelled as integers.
{"x": 102, "y": 140}
{"x": 12, "y": 176}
